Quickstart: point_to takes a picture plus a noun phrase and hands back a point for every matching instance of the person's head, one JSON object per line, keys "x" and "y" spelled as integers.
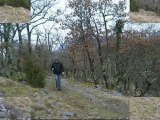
{"x": 56, "y": 59}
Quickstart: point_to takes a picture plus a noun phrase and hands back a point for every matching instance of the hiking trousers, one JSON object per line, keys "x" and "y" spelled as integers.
{"x": 58, "y": 81}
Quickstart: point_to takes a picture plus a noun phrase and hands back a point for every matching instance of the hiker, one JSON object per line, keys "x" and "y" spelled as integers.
{"x": 58, "y": 70}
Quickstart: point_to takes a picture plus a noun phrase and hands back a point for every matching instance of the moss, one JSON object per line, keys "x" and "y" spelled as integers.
{"x": 72, "y": 80}
{"x": 90, "y": 84}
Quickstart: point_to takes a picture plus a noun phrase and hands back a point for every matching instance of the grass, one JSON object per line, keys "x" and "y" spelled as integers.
{"x": 14, "y": 15}
{"x": 146, "y": 108}
{"x": 16, "y": 3}
{"x": 55, "y": 103}
{"x": 13, "y": 89}
{"x": 147, "y": 17}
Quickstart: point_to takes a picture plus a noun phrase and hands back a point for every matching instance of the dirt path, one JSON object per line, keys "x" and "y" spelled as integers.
{"x": 95, "y": 103}
{"x": 100, "y": 98}
{"x": 10, "y": 14}
{"x": 134, "y": 108}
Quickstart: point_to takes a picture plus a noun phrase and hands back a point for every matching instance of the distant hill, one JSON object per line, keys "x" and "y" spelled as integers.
{"x": 16, "y": 3}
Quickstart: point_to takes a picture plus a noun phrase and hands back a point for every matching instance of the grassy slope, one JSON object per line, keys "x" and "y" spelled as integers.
{"x": 14, "y": 15}
{"x": 144, "y": 17}
{"x": 48, "y": 103}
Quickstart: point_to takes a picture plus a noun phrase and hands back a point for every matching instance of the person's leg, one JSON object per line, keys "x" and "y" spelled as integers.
{"x": 56, "y": 79}
{"x": 59, "y": 82}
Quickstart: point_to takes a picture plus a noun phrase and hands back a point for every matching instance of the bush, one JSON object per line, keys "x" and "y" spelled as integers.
{"x": 35, "y": 73}
{"x": 134, "y": 6}
{"x": 16, "y": 3}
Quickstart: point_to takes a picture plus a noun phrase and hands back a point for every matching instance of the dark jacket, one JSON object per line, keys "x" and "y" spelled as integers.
{"x": 57, "y": 68}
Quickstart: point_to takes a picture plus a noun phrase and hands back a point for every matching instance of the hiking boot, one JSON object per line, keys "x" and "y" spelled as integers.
{"x": 59, "y": 89}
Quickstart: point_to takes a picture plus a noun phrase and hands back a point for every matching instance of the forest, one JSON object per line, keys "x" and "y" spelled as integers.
{"x": 16, "y": 3}
{"x": 111, "y": 66}
{"x": 124, "y": 60}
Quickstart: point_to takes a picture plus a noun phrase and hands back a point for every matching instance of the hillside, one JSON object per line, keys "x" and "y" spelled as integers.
{"x": 10, "y": 14}
{"x": 77, "y": 100}
{"x": 48, "y": 103}
{"x": 144, "y": 16}
{"x": 145, "y": 11}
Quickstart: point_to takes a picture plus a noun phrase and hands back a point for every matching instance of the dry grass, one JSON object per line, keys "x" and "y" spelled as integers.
{"x": 53, "y": 104}
{"x": 10, "y": 14}
{"x": 146, "y": 108}
{"x": 18, "y": 107}
{"x": 144, "y": 17}
{"x": 4, "y": 82}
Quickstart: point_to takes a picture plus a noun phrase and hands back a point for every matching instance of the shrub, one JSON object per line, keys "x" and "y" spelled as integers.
{"x": 134, "y": 6}
{"x": 35, "y": 73}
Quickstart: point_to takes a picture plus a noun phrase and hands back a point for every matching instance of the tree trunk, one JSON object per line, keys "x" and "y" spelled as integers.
{"x": 146, "y": 89}
{"x": 29, "y": 38}
{"x": 104, "y": 73}
{"x": 20, "y": 46}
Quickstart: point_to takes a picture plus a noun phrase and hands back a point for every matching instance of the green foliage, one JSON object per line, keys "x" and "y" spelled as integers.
{"x": 35, "y": 73}
{"x": 20, "y": 76}
{"x": 118, "y": 29}
{"x": 16, "y": 3}
{"x": 134, "y": 6}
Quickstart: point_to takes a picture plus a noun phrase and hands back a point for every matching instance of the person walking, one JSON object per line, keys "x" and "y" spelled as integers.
{"x": 58, "y": 70}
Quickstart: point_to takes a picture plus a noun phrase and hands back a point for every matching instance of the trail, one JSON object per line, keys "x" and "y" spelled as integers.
{"x": 128, "y": 107}
{"x": 100, "y": 98}
{"x": 115, "y": 107}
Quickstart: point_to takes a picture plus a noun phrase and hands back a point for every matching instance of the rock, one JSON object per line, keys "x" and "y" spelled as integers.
{"x": 2, "y": 94}
{"x": 39, "y": 106}
{"x": 99, "y": 87}
{"x": 50, "y": 111}
{"x": 119, "y": 94}
{"x": 69, "y": 114}
{"x": 46, "y": 91}
{"x": 15, "y": 112}
{"x": 3, "y": 111}
{"x": 3, "y": 115}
